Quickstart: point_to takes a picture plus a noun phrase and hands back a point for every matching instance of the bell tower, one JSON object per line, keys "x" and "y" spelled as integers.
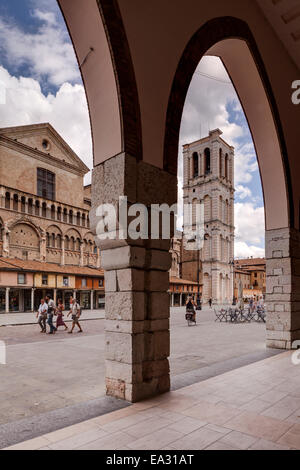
{"x": 208, "y": 177}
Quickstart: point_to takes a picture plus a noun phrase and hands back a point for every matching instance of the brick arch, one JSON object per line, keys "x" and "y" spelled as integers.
{"x": 72, "y": 232}
{"x": 13, "y": 223}
{"x": 216, "y": 31}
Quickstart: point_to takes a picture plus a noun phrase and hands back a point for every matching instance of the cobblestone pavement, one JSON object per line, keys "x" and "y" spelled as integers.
{"x": 44, "y": 373}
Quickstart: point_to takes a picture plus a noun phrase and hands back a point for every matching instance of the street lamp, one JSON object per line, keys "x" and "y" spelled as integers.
{"x": 198, "y": 306}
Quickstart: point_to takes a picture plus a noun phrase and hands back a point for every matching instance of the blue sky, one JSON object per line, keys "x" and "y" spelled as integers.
{"x": 40, "y": 73}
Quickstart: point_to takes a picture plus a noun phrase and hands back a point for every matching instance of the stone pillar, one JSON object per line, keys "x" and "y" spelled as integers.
{"x": 5, "y": 245}
{"x": 7, "y": 299}
{"x": 137, "y": 337}
{"x": 43, "y": 247}
{"x": 62, "y": 261}
{"x": 81, "y": 260}
{"x": 282, "y": 287}
{"x": 172, "y": 299}
{"x": 98, "y": 265}
{"x": 180, "y": 302}
{"x": 55, "y": 296}
{"x": 32, "y": 299}
{"x": 92, "y": 299}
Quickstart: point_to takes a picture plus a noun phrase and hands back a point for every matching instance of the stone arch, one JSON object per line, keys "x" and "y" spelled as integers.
{"x": 24, "y": 234}
{"x": 231, "y": 39}
{"x": 108, "y": 76}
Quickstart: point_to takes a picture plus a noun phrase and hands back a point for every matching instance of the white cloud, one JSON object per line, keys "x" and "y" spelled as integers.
{"x": 249, "y": 228}
{"x": 242, "y": 192}
{"x": 243, "y": 250}
{"x": 47, "y": 53}
{"x": 67, "y": 111}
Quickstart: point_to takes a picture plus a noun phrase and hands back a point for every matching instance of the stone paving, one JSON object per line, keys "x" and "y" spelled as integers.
{"x": 47, "y": 373}
{"x": 253, "y": 407}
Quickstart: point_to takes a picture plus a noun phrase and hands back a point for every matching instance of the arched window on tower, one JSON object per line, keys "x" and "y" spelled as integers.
{"x": 220, "y": 162}
{"x": 226, "y": 166}
{"x": 53, "y": 212}
{"x": 207, "y": 168}
{"x": 59, "y": 213}
{"x": 195, "y": 165}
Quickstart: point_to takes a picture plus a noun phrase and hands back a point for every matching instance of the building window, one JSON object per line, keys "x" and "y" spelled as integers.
{"x": 45, "y": 183}
{"x": 21, "y": 279}
{"x": 45, "y": 279}
{"x": 16, "y": 202}
{"x": 30, "y": 206}
{"x": 65, "y": 281}
{"x": 195, "y": 164}
{"x": 7, "y": 201}
{"x": 207, "y": 161}
{"x": 100, "y": 283}
{"x": 83, "y": 282}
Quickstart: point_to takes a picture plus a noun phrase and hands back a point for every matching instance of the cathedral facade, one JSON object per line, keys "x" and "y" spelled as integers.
{"x": 208, "y": 178}
{"x": 46, "y": 244}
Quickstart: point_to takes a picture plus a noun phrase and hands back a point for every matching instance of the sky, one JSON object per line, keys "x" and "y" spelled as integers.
{"x": 39, "y": 71}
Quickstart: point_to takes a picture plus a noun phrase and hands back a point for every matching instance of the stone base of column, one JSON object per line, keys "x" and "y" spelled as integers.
{"x": 283, "y": 287}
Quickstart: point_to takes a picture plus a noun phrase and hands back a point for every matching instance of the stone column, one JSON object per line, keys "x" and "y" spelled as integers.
{"x": 81, "y": 260}
{"x": 92, "y": 299}
{"x": 98, "y": 265}
{"x": 137, "y": 337}
{"x": 32, "y": 299}
{"x": 5, "y": 244}
{"x": 43, "y": 248}
{"x": 55, "y": 296}
{"x": 282, "y": 287}
{"x": 62, "y": 261}
{"x": 7, "y": 299}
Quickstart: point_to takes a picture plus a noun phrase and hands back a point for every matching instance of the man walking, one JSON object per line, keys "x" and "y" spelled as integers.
{"x": 42, "y": 315}
{"x": 50, "y": 313}
{"x": 76, "y": 312}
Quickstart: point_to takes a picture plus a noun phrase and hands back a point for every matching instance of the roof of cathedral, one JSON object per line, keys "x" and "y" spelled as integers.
{"x": 15, "y": 264}
{"x": 60, "y": 151}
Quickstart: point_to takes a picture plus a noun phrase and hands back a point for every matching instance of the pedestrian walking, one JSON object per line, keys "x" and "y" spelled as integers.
{"x": 60, "y": 315}
{"x": 42, "y": 315}
{"x": 50, "y": 313}
{"x": 75, "y": 310}
{"x": 210, "y": 302}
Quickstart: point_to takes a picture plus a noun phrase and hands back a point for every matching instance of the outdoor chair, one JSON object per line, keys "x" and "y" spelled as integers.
{"x": 221, "y": 315}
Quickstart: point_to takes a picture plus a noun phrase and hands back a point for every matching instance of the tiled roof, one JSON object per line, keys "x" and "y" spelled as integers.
{"x": 38, "y": 266}
{"x": 250, "y": 262}
{"x": 176, "y": 280}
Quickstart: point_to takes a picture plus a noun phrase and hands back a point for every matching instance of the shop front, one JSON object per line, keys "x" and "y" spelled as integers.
{"x": 2, "y": 300}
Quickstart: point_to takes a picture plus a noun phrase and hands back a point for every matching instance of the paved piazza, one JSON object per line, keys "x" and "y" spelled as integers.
{"x": 44, "y": 373}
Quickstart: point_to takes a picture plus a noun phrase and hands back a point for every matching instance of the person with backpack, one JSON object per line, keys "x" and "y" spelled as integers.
{"x": 75, "y": 310}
